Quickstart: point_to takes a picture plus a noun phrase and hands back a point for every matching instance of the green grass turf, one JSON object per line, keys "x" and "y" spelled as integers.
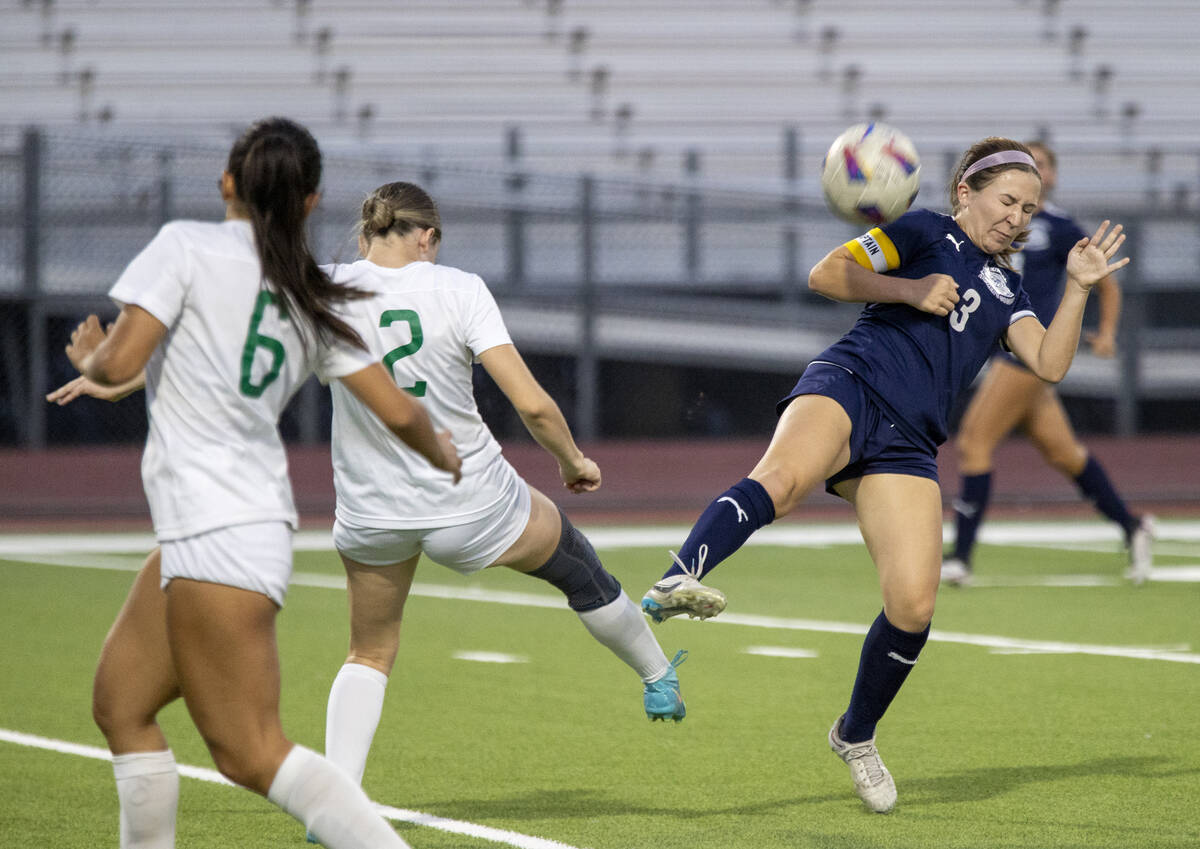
{"x": 989, "y": 750}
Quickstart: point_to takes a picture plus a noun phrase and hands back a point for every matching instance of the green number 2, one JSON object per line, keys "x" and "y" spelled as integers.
{"x": 389, "y": 318}
{"x": 256, "y": 340}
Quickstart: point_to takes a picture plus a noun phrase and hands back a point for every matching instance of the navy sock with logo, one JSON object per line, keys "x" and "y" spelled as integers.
{"x": 724, "y": 526}
{"x": 888, "y": 655}
{"x": 969, "y": 507}
{"x": 1093, "y": 482}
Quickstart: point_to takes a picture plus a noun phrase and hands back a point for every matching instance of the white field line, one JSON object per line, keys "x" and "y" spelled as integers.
{"x": 489, "y": 657}
{"x": 43, "y": 547}
{"x": 1184, "y": 574}
{"x": 1189, "y": 574}
{"x": 781, "y": 651}
{"x": 483, "y": 832}
{"x": 1168, "y": 548}
{"x": 1046, "y": 581}
{"x": 1178, "y": 654}
{"x": 1064, "y": 535}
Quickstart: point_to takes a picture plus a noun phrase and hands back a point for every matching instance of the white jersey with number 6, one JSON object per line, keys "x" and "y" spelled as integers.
{"x": 217, "y": 383}
{"x": 428, "y": 324}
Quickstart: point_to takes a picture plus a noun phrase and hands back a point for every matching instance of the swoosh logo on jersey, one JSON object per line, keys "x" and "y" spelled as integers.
{"x": 741, "y": 514}
{"x": 957, "y": 244}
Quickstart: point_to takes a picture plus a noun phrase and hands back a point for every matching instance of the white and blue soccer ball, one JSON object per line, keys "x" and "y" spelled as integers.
{"x": 871, "y": 174}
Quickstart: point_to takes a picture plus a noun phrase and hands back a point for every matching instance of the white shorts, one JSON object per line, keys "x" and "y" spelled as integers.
{"x": 465, "y": 548}
{"x": 256, "y": 557}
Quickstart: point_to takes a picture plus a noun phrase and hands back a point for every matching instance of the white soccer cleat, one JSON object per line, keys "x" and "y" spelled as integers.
{"x": 1141, "y": 551}
{"x": 682, "y": 594}
{"x": 872, "y": 781}
{"x": 956, "y": 572}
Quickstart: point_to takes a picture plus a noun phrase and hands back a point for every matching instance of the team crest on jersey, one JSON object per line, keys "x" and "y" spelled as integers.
{"x": 997, "y": 284}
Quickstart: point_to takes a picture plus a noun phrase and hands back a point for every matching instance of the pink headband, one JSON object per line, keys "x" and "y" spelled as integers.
{"x": 1004, "y": 157}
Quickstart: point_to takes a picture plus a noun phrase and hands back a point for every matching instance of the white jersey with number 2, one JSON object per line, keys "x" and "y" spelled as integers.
{"x": 428, "y": 324}
{"x": 217, "y": 383}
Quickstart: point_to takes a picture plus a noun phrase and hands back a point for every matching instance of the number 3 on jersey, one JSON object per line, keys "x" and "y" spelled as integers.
{"x": 959, "y": 315}
{"x": 391, "y": 317}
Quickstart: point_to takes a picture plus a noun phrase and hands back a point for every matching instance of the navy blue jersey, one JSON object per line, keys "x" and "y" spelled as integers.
{"x": 1043, "y": 260}
{"x": 915, "y": 363}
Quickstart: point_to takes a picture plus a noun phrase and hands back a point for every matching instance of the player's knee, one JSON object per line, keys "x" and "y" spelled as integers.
{"x": 244, "y": 764}
{"x": 912, "y": 611}
{"x": 971, "y": 451}
{"x": 786, "y": 500}
{"x": 1067, "y": 460}
{"x": 237, "y": 768}
{"x": 782, "y": 486}
{"x": 116, "y": 716}
{"x": 576, "y": 570}
{"x": 105, "y": 714}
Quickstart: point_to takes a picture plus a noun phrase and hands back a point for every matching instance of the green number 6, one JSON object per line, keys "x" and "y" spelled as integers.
{"x": 389, "y": 318}
{"x": 255, "y": 340}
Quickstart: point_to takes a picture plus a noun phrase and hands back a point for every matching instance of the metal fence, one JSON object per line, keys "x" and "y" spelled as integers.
{"x": 681, "y": 275}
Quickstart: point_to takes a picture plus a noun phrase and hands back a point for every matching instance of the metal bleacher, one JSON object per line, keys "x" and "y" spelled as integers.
{"x": 620, "y": 86}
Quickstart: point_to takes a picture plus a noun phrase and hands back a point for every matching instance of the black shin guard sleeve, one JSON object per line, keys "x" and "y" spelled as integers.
{"x": 576, "y": 570}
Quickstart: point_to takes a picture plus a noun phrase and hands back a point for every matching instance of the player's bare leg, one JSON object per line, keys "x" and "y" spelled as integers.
{"x": 376, "y": 596}
{"x": 223, "y": 642}
{"x": 1051, "y": 432}
{"x": 900, "y": 518}
{"x": 1002, "y": 402}
{"x": 135, "y": 678}
{"x": 811, "y": 442}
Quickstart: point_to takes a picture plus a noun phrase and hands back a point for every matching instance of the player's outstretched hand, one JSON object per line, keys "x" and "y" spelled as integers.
{"x": 582, "y": 476}
{"x": 81, "y": 387}
{"x": 934, "y": 293}
{"x": 1091, "y": 260}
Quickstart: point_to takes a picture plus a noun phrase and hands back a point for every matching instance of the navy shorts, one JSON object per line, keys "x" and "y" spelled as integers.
{"x": 876, "y": 445}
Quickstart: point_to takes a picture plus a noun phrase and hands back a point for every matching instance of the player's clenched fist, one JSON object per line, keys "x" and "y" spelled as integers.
{"x": 935, "y": 293}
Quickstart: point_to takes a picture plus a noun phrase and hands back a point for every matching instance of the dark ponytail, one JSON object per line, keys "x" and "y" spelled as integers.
{"x": 276, "y": 166}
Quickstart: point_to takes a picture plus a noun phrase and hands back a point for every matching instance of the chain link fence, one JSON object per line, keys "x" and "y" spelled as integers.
{"x": 685, "y": 300}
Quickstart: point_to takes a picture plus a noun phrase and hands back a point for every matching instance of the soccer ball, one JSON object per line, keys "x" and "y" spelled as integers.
{"x": 871, "y": 174}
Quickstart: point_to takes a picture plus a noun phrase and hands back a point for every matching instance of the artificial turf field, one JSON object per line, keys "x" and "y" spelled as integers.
{"x": 1055, "y": 705}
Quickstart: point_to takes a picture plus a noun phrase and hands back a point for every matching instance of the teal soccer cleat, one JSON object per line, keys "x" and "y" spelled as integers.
{"x": 662, "y": 698}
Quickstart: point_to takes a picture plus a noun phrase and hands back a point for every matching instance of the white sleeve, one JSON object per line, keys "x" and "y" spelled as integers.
{"x": 485, "y": 326}
{"x": 339, "y": 358}
{"x": 157, "y": 278}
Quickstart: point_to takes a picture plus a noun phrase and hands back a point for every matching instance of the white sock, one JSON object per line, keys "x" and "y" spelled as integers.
{"x": 332, "y": 807}
{"x": 622, "y": 627}
{"x": 355, "y": 705}
{"x": 148, "y": 792}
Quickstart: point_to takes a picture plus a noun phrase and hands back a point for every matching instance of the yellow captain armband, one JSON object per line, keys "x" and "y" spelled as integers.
{"x": 874, "y": 250}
